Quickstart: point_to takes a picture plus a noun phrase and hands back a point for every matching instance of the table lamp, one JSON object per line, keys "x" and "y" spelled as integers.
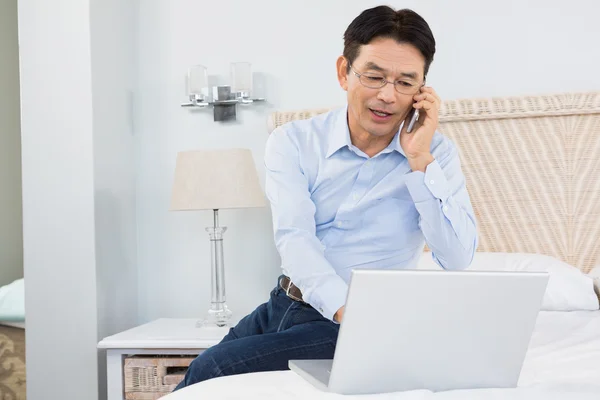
{"x": 214, "y": 180}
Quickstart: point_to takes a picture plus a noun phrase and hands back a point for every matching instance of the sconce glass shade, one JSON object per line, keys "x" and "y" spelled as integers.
{"x": 197, "y": 81}
{"x": 241, "y": 78}
{"x": 222, "y": 98}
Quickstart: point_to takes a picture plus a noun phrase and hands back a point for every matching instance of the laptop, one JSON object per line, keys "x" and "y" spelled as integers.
{"x": 429, "y": 329}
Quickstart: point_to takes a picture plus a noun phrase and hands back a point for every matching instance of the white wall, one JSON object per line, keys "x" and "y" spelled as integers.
{"x": 499, "y": 48}
{"x": 58, "y": 199}
{"x": 113, "y": 63}
{"x": 77, "y": 68}
{"x": 11, "y": 231}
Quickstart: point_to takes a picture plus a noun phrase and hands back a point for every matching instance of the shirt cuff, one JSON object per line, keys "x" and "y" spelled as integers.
{"x": 329, "y": 296}
{"x": 429, "y": 185}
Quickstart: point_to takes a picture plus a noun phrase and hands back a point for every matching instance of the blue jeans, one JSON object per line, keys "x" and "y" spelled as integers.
{"x": 279, "y": 330}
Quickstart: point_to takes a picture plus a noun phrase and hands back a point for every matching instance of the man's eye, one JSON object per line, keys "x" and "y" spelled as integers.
{"x": 406, "y": 84}
{"x": 374, "y": 78}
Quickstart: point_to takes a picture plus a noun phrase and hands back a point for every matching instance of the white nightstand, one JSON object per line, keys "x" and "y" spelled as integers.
{"x": 160, "y": 337}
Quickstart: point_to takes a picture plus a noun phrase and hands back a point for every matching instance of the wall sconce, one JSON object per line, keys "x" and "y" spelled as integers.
{"x": 223, "y": 99}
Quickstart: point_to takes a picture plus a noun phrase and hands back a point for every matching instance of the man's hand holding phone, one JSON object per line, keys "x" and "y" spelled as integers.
{"x": 417, "y": 143}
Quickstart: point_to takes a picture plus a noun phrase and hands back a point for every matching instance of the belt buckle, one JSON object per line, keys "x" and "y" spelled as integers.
{"x": 291, "y": 296}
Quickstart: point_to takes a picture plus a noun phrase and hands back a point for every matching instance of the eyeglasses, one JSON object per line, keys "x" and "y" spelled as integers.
{"x": 374, "y": 81}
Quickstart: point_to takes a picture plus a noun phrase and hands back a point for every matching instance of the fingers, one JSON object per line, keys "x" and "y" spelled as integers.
{"x": 426, "y": 105}
{"x": 428, "y": 101}
{"x": 428, "y": 94}
{"x": 430, "y": 90}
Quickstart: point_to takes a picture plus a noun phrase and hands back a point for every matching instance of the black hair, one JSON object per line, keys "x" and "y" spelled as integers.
{"x": 404, "y": 26}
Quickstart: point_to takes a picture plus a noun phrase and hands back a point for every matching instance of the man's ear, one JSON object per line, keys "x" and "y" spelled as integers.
{"x": 342, "y": 74}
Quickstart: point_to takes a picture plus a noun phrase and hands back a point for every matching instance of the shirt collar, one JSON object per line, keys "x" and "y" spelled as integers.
{"x": 395, "y": 143}
{"x": 340, "y": 135}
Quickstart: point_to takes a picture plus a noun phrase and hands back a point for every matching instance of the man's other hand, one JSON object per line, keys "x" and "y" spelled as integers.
{"x": 339, "y": 315}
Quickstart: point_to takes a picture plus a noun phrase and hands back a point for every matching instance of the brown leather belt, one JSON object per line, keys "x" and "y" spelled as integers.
{"x": 290, "y": 289}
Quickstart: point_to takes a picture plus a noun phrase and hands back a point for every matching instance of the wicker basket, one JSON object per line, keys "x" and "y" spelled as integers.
{"x": 151, "y": 377}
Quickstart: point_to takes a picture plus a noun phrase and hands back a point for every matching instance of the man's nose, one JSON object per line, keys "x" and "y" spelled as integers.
{"x": 387, "y": 93}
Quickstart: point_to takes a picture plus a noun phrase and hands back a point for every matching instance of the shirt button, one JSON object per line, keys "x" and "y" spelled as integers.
{"x": 445, "y": 208}
{"x": 354, "y": 197}
{"x": 432, "y": 182}
{"x": 340, "y": 223}
{"x": 321, "y": 309}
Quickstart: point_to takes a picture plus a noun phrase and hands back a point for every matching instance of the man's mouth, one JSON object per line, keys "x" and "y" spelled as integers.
{"x": 380, "y": 113}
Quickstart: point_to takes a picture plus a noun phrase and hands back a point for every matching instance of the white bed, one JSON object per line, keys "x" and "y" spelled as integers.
{"x": 563, "y": 362}
{"x": 532, "y": 166}
{"x": 12, "y": 341}
{"x": 12, "y": 304}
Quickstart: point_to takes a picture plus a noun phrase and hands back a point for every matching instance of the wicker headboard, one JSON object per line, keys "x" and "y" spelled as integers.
{"x": 532, "y": 166}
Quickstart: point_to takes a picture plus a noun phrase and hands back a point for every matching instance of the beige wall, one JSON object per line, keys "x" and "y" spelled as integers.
{"x": 11, "y": 231}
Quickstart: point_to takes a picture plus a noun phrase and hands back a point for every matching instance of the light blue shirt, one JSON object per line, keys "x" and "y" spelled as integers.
{"x": 334, "y": 208}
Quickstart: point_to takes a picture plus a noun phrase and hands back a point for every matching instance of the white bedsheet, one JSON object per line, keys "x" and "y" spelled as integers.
{"x": 563, "y": 362}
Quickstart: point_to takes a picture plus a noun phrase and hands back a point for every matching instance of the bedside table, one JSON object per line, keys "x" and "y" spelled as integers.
{"x": 151, "y": 344}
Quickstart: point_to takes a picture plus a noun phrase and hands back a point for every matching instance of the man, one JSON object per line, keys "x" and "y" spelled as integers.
{"x": 351, "y": 188}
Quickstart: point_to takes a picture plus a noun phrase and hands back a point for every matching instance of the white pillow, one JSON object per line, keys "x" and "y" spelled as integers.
{"x": 568, "y": 288}
{"x": 595, "y": 274}
{"x": 12, "y": 301}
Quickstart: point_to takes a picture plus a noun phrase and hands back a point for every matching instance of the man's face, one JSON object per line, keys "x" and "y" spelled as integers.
{"x": 379, "y": 112}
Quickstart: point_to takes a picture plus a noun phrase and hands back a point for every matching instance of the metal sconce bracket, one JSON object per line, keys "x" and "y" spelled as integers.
{"x": 224, "y": 102}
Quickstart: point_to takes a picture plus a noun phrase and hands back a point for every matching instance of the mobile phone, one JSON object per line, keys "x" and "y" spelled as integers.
{"x": 413, "y": 119}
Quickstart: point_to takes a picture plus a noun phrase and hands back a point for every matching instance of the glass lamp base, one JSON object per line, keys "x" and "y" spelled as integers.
{"x": 217, "y": 318}
{"x": 219, "y": 314}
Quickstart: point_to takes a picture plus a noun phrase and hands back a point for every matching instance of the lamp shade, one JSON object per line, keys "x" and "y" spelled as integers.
{"x": 216, "y": 179}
